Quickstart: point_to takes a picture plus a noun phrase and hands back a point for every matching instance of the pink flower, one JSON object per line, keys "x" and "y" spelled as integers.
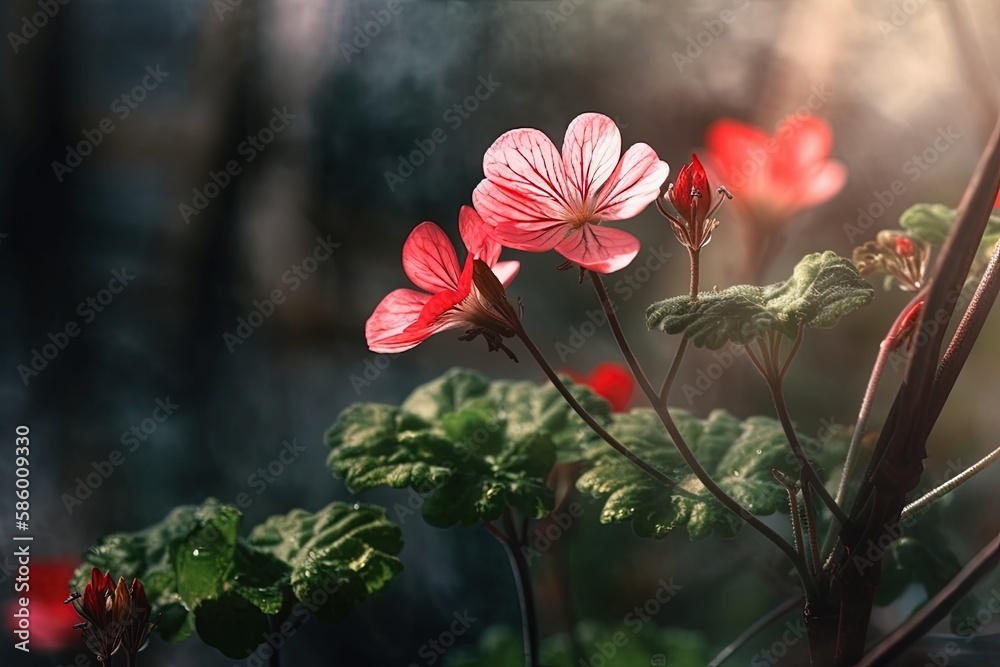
{"x": 773, "y": 178}
{"x": 454, "y": 296}
{"x": 538, "y": 200}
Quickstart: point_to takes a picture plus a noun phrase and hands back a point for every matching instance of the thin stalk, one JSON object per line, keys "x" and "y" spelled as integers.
{"x": 758, "y": 626}
{"x": 660, "y": 477}
{"x": 522, "y": 579}
{"x": 685, "y": 451}
{"x": 935, "y": 609}
{"x": 809, "y": 473}
{"x": 885, "y": 349}
{"x": 932, "y": 496}
{"x": 694, "y": 256}
{"x": 811, "y": 529}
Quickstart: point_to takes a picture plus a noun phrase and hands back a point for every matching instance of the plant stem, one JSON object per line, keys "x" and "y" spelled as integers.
{"x": 695, "y": 262}
{"x": 932, "y": 496}
{"x": 809, "y": 474}
{"x": 685, "y": 451}
{"x": 811, "y": 528}
{"x": 589, "y": 420}
{"x": 759, "y": 625}
{"x": 522, "y": 578}
{"x": 935, "y": 609}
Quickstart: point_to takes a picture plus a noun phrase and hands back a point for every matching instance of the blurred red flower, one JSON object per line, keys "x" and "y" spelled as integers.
{"x": 51, "y": 620}
{"x": 774, "y": 177}
{"x": 612, "y": 382}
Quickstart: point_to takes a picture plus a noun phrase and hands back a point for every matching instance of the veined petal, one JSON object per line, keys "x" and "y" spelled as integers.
{"x": 635, "y": 182}
{"x": 590, "y": 152}
{"x": 532, "y": 238}
{"x": 429, "y": 258}
{"x": 477, "y": 239}
{"x": 527, "y": 167}
{"x": 600, "y": 249}
{"x": 398, "y": 310}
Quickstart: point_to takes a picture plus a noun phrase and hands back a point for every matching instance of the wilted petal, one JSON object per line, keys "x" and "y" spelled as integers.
{"x": 474, "y": 233}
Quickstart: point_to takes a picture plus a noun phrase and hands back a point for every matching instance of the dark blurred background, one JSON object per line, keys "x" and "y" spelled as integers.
{"x": 94, "y": 183}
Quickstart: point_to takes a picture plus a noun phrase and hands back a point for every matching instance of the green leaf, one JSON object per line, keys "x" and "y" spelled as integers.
{"x": 823, "y": 288}
{"x": 337, "y": 556}
{"x": 739, "y": 456}
{"x": 471, "y": 447}
{"x": 231, "y": 624}
{"x": 199, "y": 574}
{"x": 932, "y": 223}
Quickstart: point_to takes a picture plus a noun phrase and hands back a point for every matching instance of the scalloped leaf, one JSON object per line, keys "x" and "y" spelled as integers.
{"x": 932, "y": 223}
{"x": 823, "y": 288}
{"x": 471, "y": 447}
{"x": 337, "y": 556}
{"x": 738, "y": 455}
{"x": 199, "y": 574}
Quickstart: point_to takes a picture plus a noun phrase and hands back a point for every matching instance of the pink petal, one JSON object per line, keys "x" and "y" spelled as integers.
{"x": 600, "y": 249}
{"x": 398, "y": 310}
{"x": 429, "y": 258}
{"x": 807, "y": 141}
{"x": 528, "y": 170}
{"x": 635, "y": 183}
{"x": 822, "y": 185}
{"x": 506, "y": 271}
{"x": 590, "y": 152}
{"x": 731, "y": 143}
{"x": 476, "y": 237}
{"x": 532, "y": 238}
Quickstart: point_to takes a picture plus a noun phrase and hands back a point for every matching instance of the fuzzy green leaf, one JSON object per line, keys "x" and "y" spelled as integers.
{"x": 337, "y": 556}
{"x": 739, "y": 456}
{"x": 932, "y": 223}
{"x": 470, "y": 446}
{"x": 823, "y": 288}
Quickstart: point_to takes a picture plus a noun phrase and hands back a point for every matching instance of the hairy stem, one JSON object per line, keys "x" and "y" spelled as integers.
{"x": 932, "y": 496}
{"x": 695, "y": 263}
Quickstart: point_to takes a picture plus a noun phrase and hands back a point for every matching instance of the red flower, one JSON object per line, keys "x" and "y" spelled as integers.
{"x": 692, "y": 198}
{"x": 114, "y": 616}
{"x": 538, "y": 199}
{"x": 453, "y": 297}
{"x": 773, "y": 178}
{"x": 612, "y": 382}
{"x": 51, "y": 620}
